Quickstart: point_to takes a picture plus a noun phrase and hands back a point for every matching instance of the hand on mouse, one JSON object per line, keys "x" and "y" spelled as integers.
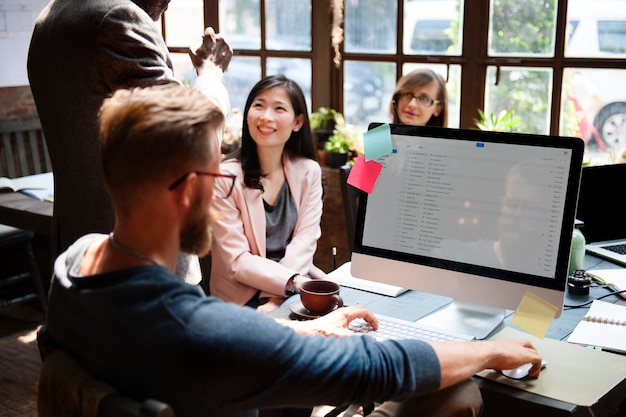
{"x": 515, "y": 354}
{"x": 459, "y": 361}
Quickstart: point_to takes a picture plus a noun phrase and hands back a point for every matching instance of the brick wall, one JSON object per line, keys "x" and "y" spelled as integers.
{"x": 17, "y": 103}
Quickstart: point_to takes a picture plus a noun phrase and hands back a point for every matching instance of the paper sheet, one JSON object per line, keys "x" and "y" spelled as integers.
{"x": 617, "y": 277}
{"x": 574, "y": 374}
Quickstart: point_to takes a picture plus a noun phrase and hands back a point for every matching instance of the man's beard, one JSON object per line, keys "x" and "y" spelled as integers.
{"x": 195, "y": 236}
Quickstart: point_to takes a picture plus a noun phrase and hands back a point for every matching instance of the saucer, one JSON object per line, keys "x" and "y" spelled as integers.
{"x": 301, "y": 311}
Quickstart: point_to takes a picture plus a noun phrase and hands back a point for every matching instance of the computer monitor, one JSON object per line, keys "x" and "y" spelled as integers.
{"x": 481, "y": 217}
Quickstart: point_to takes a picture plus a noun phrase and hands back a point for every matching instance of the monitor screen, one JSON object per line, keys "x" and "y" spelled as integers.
{"x": 482, "y": 217}
{"x": 597, "y": 206}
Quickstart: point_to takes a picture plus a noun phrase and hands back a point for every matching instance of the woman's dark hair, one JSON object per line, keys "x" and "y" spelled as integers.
{"x": 300, "y": 143}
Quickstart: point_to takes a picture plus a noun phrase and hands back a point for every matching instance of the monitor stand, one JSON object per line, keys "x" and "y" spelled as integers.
{"x": 468, "y": 318}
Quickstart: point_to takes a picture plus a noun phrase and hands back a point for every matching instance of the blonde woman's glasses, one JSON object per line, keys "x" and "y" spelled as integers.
{"x": 423, "y": 101}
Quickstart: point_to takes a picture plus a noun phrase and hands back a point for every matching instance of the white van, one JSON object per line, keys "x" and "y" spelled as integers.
{"x": 427, "y": 23}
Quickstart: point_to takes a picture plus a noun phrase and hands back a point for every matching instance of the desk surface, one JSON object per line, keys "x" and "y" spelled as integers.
{"x": 25, "y": 212}
{"x": 502, "y": 399}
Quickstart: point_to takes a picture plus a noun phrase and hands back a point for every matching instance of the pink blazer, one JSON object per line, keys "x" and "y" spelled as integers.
{"x": 239, "y": 267}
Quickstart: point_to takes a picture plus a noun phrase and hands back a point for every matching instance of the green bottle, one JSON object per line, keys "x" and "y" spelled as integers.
{"x": 577, "y": 253}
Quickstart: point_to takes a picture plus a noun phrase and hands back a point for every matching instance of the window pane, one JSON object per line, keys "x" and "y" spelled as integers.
{"x": 240, "y": 22}
{"x": 522, "y": 28}
{"x": 183, "y": 69}
{"x": 184, "y": 23}
{"x": 453, "y": 87}
{"x": 595, "y": 110}
{"x": 240, "y": 77}
{"x": 288, "y": 25}
{"x": 370, "y": 26}
{"x": 526, "y": 92}
{"x": 299, "y": 70}
{"x": 596, "y": 28}
{"x": 433, "y": 27}
{"x": 367, "y": 90}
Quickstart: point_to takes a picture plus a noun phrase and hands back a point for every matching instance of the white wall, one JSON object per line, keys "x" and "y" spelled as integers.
{"x": 17, "y": 18}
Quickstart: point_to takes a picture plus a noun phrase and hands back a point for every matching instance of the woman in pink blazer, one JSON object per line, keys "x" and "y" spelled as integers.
{"x": 265, "y": 233}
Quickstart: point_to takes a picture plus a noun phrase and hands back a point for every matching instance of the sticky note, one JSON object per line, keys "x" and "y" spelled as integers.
{"x": 534, "y": 315}
{"x": 377, "y": 142}
{"x": 364, "y": 174}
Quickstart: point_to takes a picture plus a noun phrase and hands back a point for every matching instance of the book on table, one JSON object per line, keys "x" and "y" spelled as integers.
{"x": 39, "y": 186}
{"x": 603, "y": 326}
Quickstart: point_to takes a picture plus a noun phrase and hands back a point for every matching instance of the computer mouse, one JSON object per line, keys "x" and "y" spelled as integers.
{"x": 521, "y": 371}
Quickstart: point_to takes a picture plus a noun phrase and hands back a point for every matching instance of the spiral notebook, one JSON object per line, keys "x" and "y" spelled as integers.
{"x": 604, "y": 326}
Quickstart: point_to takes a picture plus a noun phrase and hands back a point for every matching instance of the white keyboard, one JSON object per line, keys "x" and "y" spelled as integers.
{"x": 392, "y": 328}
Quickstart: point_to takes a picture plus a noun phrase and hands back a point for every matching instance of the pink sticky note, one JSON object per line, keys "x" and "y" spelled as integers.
{"x": 364, "y": 175}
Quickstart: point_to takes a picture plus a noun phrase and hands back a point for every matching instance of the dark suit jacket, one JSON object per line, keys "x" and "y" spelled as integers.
{"x": 81, "y": 51}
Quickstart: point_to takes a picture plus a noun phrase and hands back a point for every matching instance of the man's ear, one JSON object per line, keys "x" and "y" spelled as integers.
{"x": 185, "y": 191}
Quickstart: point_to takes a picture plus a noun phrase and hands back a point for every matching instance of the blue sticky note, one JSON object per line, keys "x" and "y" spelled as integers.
{"x": 377, "y": 142}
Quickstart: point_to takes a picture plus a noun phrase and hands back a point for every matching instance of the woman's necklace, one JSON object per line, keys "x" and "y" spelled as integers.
{"x": 130, "y": 251}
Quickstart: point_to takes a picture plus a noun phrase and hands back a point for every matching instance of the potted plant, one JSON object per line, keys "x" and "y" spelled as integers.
{"x": 502, "y": 122}
{"x": 339, "y": 145}
{"x": 323, "y": 122}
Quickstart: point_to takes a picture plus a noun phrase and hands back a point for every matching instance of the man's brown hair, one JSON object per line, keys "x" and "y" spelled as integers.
{"x": 150, "y": 135}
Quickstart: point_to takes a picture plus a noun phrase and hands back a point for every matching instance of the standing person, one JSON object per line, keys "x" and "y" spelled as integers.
{"x": 118, "y": 310}
{"x": 267, "y": 232}
{"x": 420, "y": 99}
{"x": 81, "y": 51}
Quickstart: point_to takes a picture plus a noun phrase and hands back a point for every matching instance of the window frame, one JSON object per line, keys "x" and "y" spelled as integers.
{"x": 327, "y": 78}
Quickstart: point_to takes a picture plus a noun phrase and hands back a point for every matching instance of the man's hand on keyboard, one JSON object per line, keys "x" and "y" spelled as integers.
{"x": 334, "y": 323}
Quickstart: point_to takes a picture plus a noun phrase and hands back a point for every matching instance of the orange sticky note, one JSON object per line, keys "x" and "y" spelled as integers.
{"x": 534, "y": 314}
{"x": 364, "y": 174}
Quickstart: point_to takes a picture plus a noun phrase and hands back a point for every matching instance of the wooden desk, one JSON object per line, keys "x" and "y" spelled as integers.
{"x": 502, "y": 400}
{"x": 24, "y": 212}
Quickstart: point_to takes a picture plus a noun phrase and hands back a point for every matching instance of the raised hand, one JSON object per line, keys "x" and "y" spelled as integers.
{"x": 213, "y": 52}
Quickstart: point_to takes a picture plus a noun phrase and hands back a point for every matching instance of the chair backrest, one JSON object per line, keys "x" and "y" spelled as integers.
{"x": 65, "y": 389}
{"x": 350, "y": 196}
{"x": 23, "y": 149}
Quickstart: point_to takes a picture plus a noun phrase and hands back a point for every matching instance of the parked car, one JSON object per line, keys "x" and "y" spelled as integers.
{"x": 597, "y": 28}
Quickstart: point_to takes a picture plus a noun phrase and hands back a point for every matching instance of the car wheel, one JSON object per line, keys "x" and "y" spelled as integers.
{"x": 611, "y": 124}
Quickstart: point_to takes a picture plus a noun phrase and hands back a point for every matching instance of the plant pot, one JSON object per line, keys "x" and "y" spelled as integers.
{"x": 321, "y": 137}
{"x": 336, "y": 159}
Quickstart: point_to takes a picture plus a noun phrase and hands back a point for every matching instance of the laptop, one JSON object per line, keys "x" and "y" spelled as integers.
{"x": 601, "y": 211}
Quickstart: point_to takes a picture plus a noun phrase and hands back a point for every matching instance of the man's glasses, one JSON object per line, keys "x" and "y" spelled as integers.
{"x": 230, "y": 176}
{"x": 422, "y": 101}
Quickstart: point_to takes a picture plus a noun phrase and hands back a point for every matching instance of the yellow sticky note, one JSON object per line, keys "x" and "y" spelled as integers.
{"x": 534, "y": 315}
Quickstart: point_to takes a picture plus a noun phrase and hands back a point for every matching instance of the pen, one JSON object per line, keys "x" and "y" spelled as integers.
{"x": 334, "y": 257}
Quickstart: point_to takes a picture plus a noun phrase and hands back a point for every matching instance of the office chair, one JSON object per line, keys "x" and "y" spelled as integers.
{"x": 20, "y": 240}
{"x": 66, "y": 389}
{"x": 350, "y": 196}
{"x": 22, "y": 152}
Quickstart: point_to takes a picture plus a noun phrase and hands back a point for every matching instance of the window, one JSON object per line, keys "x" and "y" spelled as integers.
{"x": 557, "y": 70}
